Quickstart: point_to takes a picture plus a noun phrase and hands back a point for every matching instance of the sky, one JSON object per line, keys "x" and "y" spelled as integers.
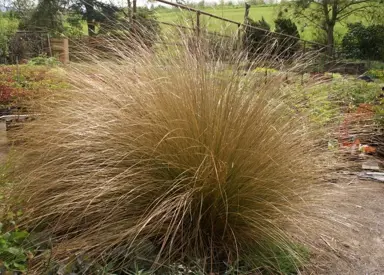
{"x": 4, "y": 3}
{"x": 148, "y": 3}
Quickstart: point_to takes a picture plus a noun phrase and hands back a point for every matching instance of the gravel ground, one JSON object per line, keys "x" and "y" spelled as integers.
{"x": 359, "y": 245}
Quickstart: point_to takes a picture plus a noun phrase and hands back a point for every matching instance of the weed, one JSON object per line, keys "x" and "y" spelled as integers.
{"x": 378, "y": 74}
{"x": 44, "y": 60}
{"x": 13, "y": 254}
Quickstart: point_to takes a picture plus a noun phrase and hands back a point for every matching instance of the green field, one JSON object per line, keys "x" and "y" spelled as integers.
{"x": 236, "y": 13}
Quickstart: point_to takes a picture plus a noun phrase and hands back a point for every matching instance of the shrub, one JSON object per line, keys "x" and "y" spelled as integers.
{"x": 255, "y": 40}
{"x": 378, "y": 74}
{"x": 146, "y": 27}
{"x": 43, "y": 60}
{"x": 164, "y": 161}
{"x": 73, "y": 27}
{"x": 287, "y": 46}
{"x": 8, "y": 27}
{"x": 363, "y": 42}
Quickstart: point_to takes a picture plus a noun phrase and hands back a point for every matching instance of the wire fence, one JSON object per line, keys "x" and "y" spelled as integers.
{"x": 328, "y": 57}
{"x": 280, "y": 45}
{"x": 241, "y": 26}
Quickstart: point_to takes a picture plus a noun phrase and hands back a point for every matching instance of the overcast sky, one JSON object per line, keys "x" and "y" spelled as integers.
{"x": 6, "y": 3}
{"x": 147, "y": 3}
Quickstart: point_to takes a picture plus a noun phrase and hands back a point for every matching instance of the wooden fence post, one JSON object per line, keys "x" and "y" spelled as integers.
{"x": 239, "y": 36}
{"x": 246, "y": 21}
{"x": 266, "y": 75}
{"x": 60, "y": 47}
{"x": 49, "y": 45}
{"x": 246, "y": 13}
{"x": 198, "y": 24}
{"x": 17, "y": 69}
{"x": 302, "y": 71}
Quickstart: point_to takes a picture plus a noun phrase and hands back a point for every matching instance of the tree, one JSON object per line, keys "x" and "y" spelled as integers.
{"x": 23, "y": 10}
{"x": 47, "y": 16}
{"x": 129, "y": 3}
{"x": 324, "y": 14}
{"x": 134, "y": 8}
{"x": 5, "y": 5}
{"x": 377, "y": 17}
{"x": 96, "y": 13}
{"x": 22, "y": 7}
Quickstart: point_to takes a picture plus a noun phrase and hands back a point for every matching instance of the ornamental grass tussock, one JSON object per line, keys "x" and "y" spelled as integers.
{"x": 171, "y": 160}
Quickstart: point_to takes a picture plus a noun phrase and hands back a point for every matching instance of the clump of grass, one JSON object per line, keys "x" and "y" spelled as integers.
{"x": 164, "y": 159}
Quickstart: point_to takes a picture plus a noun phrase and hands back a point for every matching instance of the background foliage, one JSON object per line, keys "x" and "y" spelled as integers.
{"x": 364, "y": 42}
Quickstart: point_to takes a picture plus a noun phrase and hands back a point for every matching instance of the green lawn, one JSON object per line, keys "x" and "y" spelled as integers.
{"x": 236, "y": 13}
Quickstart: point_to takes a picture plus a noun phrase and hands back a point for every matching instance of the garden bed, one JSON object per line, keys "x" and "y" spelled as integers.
{"x": 327, "y": 103}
